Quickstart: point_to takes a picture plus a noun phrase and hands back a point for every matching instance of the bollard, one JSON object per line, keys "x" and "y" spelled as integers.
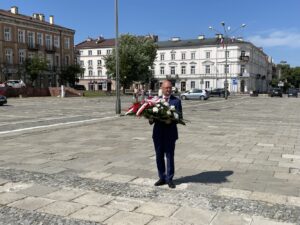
{"x": 62, "y": 92}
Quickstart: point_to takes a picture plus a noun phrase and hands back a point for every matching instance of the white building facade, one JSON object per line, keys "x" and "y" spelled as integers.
{"x": 91, "y": 55}
{"x": 201, "y": 63}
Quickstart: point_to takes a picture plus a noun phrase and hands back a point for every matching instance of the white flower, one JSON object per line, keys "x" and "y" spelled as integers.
{"x": 176, "y": 116}
{"x": 169, "y": 113}
{"x": 166, "y": 104}
{"x": 157, "y": 105}
{"x": 155, "y": 109}
{"x": 172, "y": 108}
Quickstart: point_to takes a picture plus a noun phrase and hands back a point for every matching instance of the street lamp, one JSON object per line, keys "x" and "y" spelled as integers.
{"x": 225, "y": 40}
{"x": 118, "y": 101}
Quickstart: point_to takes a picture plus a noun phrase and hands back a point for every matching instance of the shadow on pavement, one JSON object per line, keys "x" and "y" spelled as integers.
{"x": 206, "y": 177}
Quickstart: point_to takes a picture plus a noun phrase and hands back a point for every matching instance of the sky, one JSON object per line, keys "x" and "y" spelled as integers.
{"x": 271, "y": 24}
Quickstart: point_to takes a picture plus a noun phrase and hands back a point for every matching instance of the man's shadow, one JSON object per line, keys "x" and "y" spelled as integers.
{"x": 206, "y": 177}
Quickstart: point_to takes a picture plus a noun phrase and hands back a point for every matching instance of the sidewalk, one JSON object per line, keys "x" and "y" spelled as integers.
{"x": 237, "y": 162}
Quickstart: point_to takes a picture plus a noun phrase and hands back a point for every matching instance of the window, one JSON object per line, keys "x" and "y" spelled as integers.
{"x": 172, "y": 68}
{"x": 207, "y": 55}
{"x": 98, "y": 52}
{"x": 207, "y": 69}
{"x": 48, "y": 41}
{"x": 67, "y": 43}
{"x": 192, "y": 84}
{"x": 9, "y": 55}
{"x": 57, "y": 60}
{"x": 226, "y": 54}
{"x": 90, "y": 52}
{"x": 173, "y": 56}
{"x": 243, "y": 53}
{"x": 7, "y": 34}
{"x": 99, "y": 73}
{"x": 99, "y": 63}
{"x": 80, "y": 52}
{"x": 226, "y": 68}
{"x": 31, "y": 40}
{"x": 90, "y": 72}
{"x": 31, "y": 55}
{"x": 21, "y": 36}
{"x": 183, "y": 69}
{"x": 90, "y": 62}
{"x": 56, "y": 42}
{"x": 108, "y": 51}
{"x": 193, "y": 55}
{"x": 243, "y": 68}
{"x": 21, "y": 56}
{"x": 162, "y": 70}
{"x": 207, "y": 84}
{"x": 81, "y": 63}
{"x": 192, "y": 69}
{"x": 162, "y": 57}
{"x": 183, "y": 56}
{"x": 40, "y": 39}
{"x": 67, "y": 60}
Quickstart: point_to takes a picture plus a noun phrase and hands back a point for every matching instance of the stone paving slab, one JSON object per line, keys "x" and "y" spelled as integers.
{"x": 157, "y": 209}
{"x": 128, "y": 218}
{"x": 93, "y": 213}
{"x": 231, "y": 219}
{"x": 6, "y": 198}
{"x": 61, "y": 208}
{"x": 93, "y": 199}
{"x": 31, "y": 203}
{"x": 37, "y": 190}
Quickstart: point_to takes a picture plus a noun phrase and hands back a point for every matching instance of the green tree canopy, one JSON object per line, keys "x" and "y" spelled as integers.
{"x": 136, "y": 57}
{"x": 35, "y": 67}
{"x": 70, "y": 74}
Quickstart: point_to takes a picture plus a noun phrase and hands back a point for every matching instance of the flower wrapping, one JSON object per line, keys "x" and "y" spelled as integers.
{"x": 155, "y": 109}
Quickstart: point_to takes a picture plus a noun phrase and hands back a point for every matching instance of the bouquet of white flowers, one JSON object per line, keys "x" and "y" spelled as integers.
{"x": 156, "y": 109}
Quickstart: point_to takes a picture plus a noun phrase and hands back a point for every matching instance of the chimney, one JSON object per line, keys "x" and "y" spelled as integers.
{"x": 51, "y": 19}
{"x": 41, "y": 17}
{"x": 14, "y": 10}
{"x": 35, "y": 15}
{"x": 201, "y": 37}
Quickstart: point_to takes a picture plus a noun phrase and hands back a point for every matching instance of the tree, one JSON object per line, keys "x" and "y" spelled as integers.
{"x": 70, "y": 74}
{"x": 35, "y": 67}
{"x": 136, "y": 57}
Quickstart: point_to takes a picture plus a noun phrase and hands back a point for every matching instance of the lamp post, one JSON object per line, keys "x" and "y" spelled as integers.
{"x": 118, "y": 101}
{"x": 225, "y": 37}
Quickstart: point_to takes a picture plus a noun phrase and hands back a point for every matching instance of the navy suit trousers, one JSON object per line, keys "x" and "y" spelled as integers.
{"x": 164, "y": 148}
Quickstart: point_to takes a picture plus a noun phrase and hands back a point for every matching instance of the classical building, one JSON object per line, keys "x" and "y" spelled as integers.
{"x": 91, "y": 53}
{"x": 197, "y": 63}
{"x": 24, "y": 37}
{"x": 204, "y": 63}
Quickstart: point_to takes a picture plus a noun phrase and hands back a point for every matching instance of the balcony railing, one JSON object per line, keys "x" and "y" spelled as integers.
{"x": 244, "y": 58}
{"x": 50, "y": 49}
{"x": 33, "y": 46}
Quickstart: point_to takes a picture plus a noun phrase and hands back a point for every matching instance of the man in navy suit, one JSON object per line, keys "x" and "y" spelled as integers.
{"x": 164, "y": 138}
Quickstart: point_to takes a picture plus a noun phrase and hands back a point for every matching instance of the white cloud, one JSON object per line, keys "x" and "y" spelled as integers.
{"x": 279, "y": 38}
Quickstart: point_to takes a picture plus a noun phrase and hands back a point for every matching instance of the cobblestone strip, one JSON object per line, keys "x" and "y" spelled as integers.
{"x": 206, "y": 199}
{"x": 14, "y": 216}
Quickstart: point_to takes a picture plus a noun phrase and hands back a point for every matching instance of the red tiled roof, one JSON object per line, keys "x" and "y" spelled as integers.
{"x": 96, "y": 43}
{"x": 31, "y": 19}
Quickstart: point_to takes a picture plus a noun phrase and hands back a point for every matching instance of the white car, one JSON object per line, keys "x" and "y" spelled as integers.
{"x": 15, "y": 83}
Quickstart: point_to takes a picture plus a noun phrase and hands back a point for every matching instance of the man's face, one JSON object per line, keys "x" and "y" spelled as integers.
{"x": 166, "y": 88}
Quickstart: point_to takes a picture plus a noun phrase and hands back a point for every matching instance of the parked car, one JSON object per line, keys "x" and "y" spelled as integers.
{"x": 275, "y": 92}
{"x": 195, "y": 94}
{"x": 3, "y": 100}
{"x": 79, "y": 87}
{"x": 218, "y": 92}
{"x": 15, "y": 83}
{"x": 293, "y": 92}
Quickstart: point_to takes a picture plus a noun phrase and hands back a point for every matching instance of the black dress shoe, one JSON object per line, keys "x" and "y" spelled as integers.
{"x": 160, "y": 182}
{"x": 171, "y": 184}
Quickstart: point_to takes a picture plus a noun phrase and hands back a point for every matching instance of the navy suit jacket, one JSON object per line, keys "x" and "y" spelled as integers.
{"x": 168, "y": 132}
